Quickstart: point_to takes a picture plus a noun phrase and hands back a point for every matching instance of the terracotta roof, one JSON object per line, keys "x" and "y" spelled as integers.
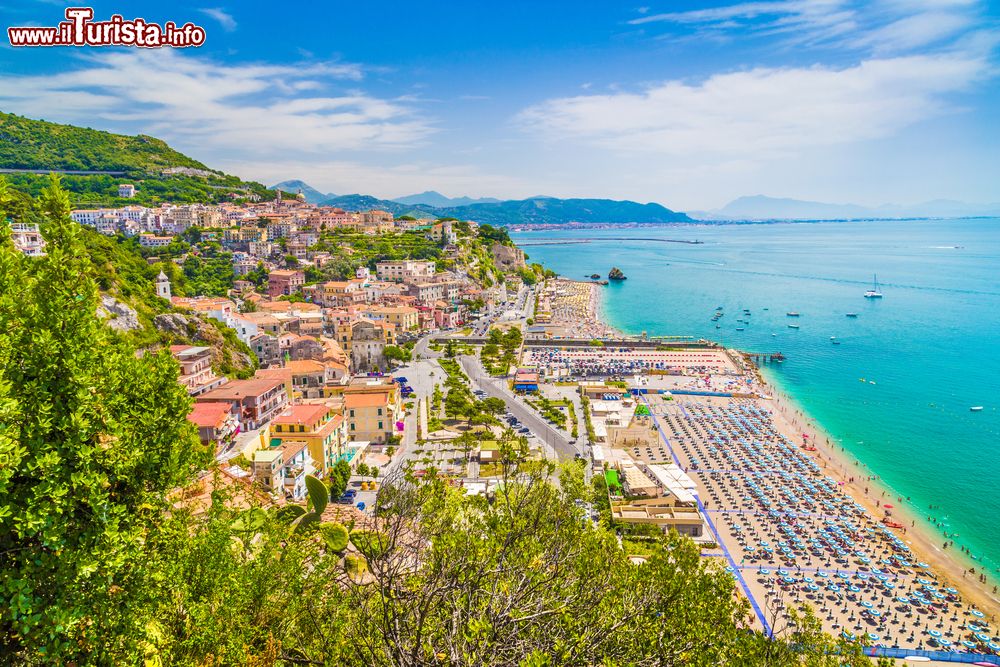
{"x": 304, "y": 366}
{"x": 208, "y": 414}
{"x": 366, "y": 399}
{"x": 240, "y": 389}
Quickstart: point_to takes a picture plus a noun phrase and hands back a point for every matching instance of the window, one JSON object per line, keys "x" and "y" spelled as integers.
{"x": 352, "y": 412}
{"x": 380, "y": 426}
{"x": 380, "y": 413}
{"x": 352, "y": 426}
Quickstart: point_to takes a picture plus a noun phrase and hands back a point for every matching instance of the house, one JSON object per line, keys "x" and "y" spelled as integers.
{"x": 265, "y": 346}
{"x": 196, "y": 368}
{"x": 153, "y": 241}
{"x": 371, "y": 409}
{"x": 406, "y": 271}
{"x": 319, "y": 426}
{"x": 429, "y": 292}
{"x": 255, "y": 401}
{"x": 365, "y": 342}
{"x": 284, "y": 282}
{"x": 282, "y": 469}
{"x": 27, "y": 239}
{"x": 216, "y": 423}
{"x": 126, "y": 190}
{"x": 405, "y": 318}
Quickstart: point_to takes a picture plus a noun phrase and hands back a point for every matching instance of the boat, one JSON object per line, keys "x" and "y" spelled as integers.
{"x": 873, "y": 293}
{"x": 792, "y": 313}
{"x": 740, "y": 328}
{"x": 852, "y": 314}
{"x": 793, "y": 326}
{"x": 976, "y": 408}
{"x": 774, "y": 334}
{"x": 835, "y": 341}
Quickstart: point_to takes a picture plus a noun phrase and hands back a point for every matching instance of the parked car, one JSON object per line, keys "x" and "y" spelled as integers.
{"x": 361, "y": 506}
{"x": 524, "y": 429}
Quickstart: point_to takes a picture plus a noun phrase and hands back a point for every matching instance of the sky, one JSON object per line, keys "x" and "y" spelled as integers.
{"x": 687, "y": 104}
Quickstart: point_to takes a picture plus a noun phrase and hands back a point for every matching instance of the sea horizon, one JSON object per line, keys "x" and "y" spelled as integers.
{"x": 895, "y": 390}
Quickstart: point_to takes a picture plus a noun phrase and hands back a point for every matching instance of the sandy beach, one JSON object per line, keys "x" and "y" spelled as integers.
{"x": 895, "y": 586}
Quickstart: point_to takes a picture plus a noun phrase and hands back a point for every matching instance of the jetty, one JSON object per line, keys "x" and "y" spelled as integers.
{"x": 605, "y": 238}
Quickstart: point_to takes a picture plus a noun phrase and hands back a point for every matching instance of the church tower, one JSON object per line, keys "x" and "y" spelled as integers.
{"x": 163, "y": 286}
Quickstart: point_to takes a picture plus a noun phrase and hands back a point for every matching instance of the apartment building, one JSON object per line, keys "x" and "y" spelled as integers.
{"x": 255, "y": 401}
{"x": 407, "y": 270}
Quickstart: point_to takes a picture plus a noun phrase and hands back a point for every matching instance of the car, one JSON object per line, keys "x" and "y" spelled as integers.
{"x": 401, "y": 380}
{"x": 524, "y": 429}
{"x": 345, "y": 500}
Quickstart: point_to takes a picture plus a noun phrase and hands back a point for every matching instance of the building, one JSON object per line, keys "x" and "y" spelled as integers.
{"x": 319, "y": 426}
{"x": 27, "y": 239}
{"x": 163, "y": 286}
{"x": 366, "y": 344}
{"x": 196, "y": 368}
{"x": 407, "y": 270}
{"x": 216, "y": 423}
{"x": 404, "y": 318}
{"x": 126, "y": 190}
{"x": 255, "y": 401}
{"x": 153, "y": 241}
{"x": 430, "y": 292}
{"x": 282, "y": 469}
{"x": 284, "y": 282}
{"x": 266, "y": 347}
{"x": 525, "y": 380}
{"x": 371, "y": 411}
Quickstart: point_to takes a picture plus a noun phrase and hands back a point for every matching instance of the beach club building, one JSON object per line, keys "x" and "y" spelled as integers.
{"x": 526, "y": 379}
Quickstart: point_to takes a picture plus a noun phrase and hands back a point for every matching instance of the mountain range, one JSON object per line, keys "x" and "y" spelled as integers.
{"x": 438, "y": 200}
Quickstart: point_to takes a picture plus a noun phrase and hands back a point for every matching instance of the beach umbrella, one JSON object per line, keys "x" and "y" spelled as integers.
{"x": 866, "y": 604}
{"x": 872, "y": 636}
{"x": 977, "y": 613}
{"x": 934, "y": 633}
{"x": 967, "y": 644}
{"x": 982, "y": 636}
{"x": 944, "y": 642}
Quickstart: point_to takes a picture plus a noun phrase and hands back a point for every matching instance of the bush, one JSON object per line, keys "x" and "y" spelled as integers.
{"x": 335, "y": 535}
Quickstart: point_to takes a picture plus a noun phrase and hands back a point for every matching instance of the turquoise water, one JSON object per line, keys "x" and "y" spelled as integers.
{"x": 930, "y": 346}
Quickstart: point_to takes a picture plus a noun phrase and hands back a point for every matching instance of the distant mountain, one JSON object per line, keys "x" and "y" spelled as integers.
{"x": 549, "y": 210}
{"x": 313, "y": 196}
{"x": 438, "y": 200}
{"x": 760, "y": 207}
{"x": 538, "y": 210}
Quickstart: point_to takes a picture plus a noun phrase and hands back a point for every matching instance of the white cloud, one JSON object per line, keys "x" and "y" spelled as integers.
{"x": 762, "y": 112}
{"x": 224, "y": 18}
{"x": 883, "y": 26}
{"x": 249, "y": 110}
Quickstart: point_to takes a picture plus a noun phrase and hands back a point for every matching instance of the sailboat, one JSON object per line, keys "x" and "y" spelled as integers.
{"x": 873, "y": 293}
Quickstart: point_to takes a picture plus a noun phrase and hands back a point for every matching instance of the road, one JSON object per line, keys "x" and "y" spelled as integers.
{"x": 497, "y": 388}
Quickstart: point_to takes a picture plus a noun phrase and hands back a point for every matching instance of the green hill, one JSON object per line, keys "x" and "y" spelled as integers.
{"x": 40, "y": 146}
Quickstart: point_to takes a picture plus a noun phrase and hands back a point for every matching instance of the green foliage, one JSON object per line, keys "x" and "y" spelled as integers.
{"x": 92, "y": 438}
{"x": 338, "y": 478}
{"x": 335, "y": 536}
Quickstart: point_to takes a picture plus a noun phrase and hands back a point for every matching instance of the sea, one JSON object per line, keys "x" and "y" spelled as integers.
{"x": 896, "y": 391}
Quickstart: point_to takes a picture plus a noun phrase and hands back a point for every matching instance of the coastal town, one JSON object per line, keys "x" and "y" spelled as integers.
{"x": 464, "y": 365}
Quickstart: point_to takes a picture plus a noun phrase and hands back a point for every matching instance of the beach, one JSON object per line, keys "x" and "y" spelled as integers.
{"x": 750, "y": 449}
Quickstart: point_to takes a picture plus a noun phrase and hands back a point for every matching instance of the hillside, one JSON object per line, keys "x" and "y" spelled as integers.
{"x": 130, "y": 305}
{"x": 41, "y": 146}
{"x": 537, "y": 210}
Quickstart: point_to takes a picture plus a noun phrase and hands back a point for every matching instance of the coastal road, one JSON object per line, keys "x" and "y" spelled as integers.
{"x": 497, "y": 388}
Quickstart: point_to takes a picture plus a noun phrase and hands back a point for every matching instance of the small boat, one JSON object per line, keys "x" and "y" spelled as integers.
{"x": 873, "y": 293}
{"x": 871, "y": 382}
{"x": 740, "y": 328}
{"x": 835, "y": 341}
{"x": 774, "y": 334}
{"x": 852, "y": 314}
{"x": 792, "y": 313}
{"x": 793, "y": 326}
{"x": 976, "y": 408}
{"x": 718, "y": 326}
{"x": 765, "y": 309}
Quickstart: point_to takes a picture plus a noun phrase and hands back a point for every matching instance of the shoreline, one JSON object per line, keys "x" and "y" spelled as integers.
{"x": 952, "y": 565}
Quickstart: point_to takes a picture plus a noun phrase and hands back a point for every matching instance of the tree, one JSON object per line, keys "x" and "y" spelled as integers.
{"x": 92, "y": 438}
{"x": 396, "y": 353}
{"x": 493, "y": 406}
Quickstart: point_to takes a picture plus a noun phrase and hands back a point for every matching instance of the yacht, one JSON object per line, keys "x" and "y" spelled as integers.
{"x": 873, "y": 293}
{"x": 792, "y": 313}
{"x": 976, "y": 408}
{"x": 793, "y": 326}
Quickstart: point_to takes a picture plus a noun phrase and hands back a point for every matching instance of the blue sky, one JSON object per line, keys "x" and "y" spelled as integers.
{"x": 687, "y": 104}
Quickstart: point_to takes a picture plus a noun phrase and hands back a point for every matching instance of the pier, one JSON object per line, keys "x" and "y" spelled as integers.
{"x": 605, "y": 238}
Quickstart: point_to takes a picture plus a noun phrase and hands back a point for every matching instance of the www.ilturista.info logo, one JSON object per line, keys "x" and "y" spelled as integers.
{"x": 79, "y": 29}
